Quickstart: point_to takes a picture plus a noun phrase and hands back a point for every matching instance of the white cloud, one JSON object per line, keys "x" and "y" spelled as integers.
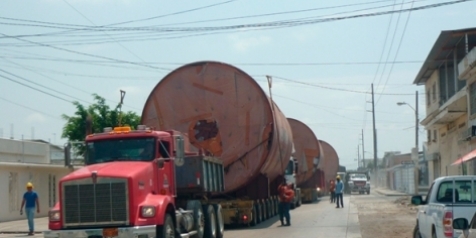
{"x": 245, "y": 43}
{"x": 35, "y": 117}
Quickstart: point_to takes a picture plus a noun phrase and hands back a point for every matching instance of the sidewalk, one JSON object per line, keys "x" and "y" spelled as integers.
{"x": 21, "y": 226}
{"x": 388, "y": 192}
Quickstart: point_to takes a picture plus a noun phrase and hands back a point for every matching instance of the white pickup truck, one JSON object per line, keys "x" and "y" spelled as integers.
{"x": 449, "y": 198}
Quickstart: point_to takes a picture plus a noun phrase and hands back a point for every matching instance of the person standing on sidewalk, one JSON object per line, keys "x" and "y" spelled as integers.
{"x": 30, "y": 201}
{"x": 339, "y": 192}
{"x": 332, "y": 191}
{"x": 286, "y": 196}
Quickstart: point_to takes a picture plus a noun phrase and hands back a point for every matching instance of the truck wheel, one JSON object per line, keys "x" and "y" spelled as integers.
{"x": 198, "y": 217}
{"x": 210, "y": 221}
{"x": 167, "y": 230}
{"x": 258, "y": 213}
{"x": 220, "y": 223}
{"x": 264, "y": 215}
{"x": 254, "y": 216}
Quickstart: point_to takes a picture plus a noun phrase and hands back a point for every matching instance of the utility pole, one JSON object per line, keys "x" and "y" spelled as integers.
{"x": 375, "y": 138}
{"x": 363, "y": 150}
{"x": 358, "y": 156}
{"x": 417, "y": 170}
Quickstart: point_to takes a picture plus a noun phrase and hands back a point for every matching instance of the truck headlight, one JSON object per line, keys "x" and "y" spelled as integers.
{"x": 148, "y": 211}
{"x": 54, "y": 215}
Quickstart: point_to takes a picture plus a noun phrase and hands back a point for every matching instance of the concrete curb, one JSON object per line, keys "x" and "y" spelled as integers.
{"x": 19, "y": 232}
{"x": 391, "y": 195}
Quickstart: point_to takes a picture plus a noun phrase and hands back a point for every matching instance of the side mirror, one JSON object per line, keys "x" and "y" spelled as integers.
{"x": 460, "y": 224}
{"x": 161, "y": 162}
{"x": 417, "y": 200}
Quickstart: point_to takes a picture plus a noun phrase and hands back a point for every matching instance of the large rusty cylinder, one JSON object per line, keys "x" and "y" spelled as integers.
{"x": 225, "y": 113}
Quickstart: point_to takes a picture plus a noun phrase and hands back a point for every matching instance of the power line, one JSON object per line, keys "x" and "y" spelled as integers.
{"x": 398, "y": 49}
{"x": 339, "y": 89}
{"x": 39, "y": 90}
{"x": 58, "y": 81}
{"x": 270, "y": 25}
{"x": 385, "y": 44}
{"x": 86, "y": 54}
{"x": 37, "y": 84}
{"x": 132, "y": 53}
{"x": 120, "y": 23}
{"x": 29, "y": 108}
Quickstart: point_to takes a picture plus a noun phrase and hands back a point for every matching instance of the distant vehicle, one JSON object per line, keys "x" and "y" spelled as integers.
{"x": 448, "y": 198}
{"x": 357, "y": 181}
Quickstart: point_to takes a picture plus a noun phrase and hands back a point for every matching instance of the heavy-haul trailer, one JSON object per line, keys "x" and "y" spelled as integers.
{"x": 227, "y": 114}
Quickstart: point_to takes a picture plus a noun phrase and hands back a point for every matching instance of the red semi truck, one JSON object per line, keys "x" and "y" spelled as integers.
{"x": 220, "y": 149}
{"x": 139, "y": 183}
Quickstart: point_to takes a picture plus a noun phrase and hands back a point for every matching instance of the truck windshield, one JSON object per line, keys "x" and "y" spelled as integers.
{"x": 358, "y": 176}
{"x": 134, "y": 149}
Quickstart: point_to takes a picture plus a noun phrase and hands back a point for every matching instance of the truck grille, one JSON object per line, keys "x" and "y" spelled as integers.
{"x": 85, "y": 203}
{"x": 359, "y": 183}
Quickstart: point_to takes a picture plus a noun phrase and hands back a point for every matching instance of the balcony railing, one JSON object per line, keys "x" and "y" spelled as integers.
{"x": 467, "y": 66}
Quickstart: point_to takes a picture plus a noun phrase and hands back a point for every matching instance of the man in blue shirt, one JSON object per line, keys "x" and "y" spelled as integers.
{"x": 30, "y": 201}
{"x": 339, "y": 192}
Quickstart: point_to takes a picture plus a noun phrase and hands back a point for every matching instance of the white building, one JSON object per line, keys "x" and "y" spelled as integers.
{"x": 28, "y": 161}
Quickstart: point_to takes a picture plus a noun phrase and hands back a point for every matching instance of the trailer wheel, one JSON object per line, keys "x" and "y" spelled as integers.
{"x": 167, "y": 230}
{"x": 258, "y": 212}
{"x": 271, "y": 204}
{"x": 198, "y": 217}
{"x": 220, "y": 222}
{"x": 210, "y": 221}
{"x": 254, "y": 216}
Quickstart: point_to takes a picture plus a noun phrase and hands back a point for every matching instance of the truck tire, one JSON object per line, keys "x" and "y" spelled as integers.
{"x": 220, "y": 222}
{"x": 210, "y": 221}
{"x": 254, "y": 216}
{"x": 166, "y": 230}
{"x": 198, "y": 217}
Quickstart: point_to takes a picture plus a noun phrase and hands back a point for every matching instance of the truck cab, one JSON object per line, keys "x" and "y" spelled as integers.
{"x": 358, "y": 182}
{"x": 290, "y": 177}
{"x": 129, "y": 188}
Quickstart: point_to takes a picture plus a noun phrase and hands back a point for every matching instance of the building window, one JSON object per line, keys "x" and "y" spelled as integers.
{"x": 428, "y": 97}
{"x": 472, "y": 98}
{"x": 434, "y": 92}
{"x": 435, "y": 134}
{"x": 428, "y": 135}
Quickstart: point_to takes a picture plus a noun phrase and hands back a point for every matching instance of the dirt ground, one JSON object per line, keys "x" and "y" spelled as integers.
{"x": 381, "y": 216}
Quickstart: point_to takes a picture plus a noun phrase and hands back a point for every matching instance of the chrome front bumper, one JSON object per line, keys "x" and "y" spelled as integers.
{"x": 124, "y": 232}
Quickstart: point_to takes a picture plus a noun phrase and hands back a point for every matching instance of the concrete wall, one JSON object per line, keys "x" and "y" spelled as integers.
{"x": 24, "y": 151}
{"x": 451, "y": 148}
{"x": 432, "y": 105}
{"x": 13, "y": 179}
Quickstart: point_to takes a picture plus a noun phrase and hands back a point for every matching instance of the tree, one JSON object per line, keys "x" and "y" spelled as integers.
{"x": 101, "y": 116}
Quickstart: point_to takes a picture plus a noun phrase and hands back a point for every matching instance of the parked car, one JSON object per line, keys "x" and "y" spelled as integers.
{"x": 449, "y": 197}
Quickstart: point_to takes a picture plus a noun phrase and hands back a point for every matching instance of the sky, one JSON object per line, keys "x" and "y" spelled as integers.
{"x": 323, "y": 57}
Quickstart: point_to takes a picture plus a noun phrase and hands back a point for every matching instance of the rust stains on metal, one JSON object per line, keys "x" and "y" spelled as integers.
{"x": 197, "y": 117}
{"x": 247, "y": 128}
{"x": 306, "y": 150}
{"x": 201, "y": 86}
{"x": 330, "y": 163}
{"x": 157, "y": 111}
{"x": 242, "y": 114}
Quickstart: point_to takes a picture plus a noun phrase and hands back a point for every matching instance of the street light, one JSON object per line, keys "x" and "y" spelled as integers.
{"x": 416, "y": 136}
